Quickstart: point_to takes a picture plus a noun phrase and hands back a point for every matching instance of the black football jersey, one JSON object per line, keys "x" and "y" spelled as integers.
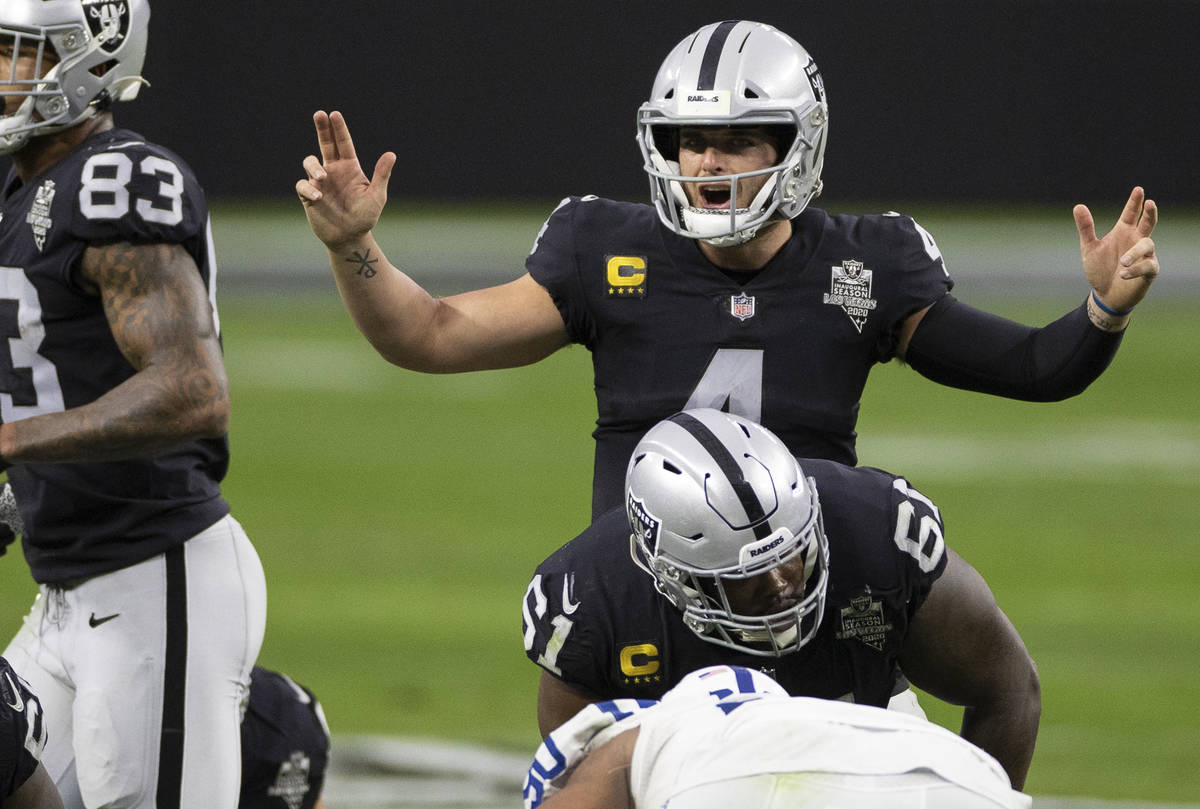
{"x": 22, "y": 732}
{"x": 87, "y": 518}
{"x": 285, "y": 744}
{"x": 593, "y": 618}
{"x": 789, "y": 346}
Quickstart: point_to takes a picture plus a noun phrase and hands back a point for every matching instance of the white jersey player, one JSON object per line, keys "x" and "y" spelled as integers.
{"x": 731, "y": 736}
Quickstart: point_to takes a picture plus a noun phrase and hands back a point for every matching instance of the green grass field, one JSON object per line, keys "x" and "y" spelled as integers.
{"x": 399, "y": 517}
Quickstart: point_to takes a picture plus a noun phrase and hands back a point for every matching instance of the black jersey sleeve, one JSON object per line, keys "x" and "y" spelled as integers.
{"x": 918, "y": 275}
{"x": 963, "y": 347}
{"x": 577, "y": 599}
{"x": 554, "y": 263}
{"x": 134, "y": 191}
{"x": 22, "y": 732}
{"x": 919, "y": 539}
{"x": 560, "y": 618}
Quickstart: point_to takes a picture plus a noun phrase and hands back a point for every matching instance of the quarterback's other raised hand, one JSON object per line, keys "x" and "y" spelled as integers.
{"x": 340, "y": 202}
{"x": 1121, "y": 265}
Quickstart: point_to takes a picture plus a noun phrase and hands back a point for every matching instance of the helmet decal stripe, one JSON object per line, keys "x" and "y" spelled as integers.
{"x": 712, "y": 55}
{"x": 730, "y": 468}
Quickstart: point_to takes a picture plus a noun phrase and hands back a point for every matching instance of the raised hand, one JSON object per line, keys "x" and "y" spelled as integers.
{"x": 1121, "y": 265}
{"x": 341, "y": 203}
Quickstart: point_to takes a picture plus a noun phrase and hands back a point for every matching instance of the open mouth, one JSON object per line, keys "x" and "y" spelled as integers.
{"x": 714, "y": 196}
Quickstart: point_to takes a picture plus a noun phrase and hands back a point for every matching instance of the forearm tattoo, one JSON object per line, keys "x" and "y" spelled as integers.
{"x": 1104, "y": 321}
{"x": 160, "y": 318}
{"x": 365, "y": 263}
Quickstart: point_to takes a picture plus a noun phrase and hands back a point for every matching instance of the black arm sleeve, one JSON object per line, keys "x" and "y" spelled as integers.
{"x": 963, "y": 347}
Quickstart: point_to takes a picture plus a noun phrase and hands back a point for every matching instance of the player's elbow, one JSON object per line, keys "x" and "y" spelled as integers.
{"x": 213, "y": 422}
{"x": 402, "y": 356}
{"x": 1018, "y": 694}
{"x": 1058, "y": 388}
{"x": 205, "y": 409}
{"x": 1028, "y": 687}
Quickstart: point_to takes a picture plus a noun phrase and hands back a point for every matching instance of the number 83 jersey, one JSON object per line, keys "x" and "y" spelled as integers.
{"x": 58, "y": 352}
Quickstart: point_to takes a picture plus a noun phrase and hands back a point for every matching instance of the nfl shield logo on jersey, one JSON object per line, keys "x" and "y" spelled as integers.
{"x": 109, "y": 21}
{"x": 741, "y": 306}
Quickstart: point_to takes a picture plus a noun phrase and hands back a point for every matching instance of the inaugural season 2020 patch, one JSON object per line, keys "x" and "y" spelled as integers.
{"x": 291, "y": 782}
{"x": 850, "y": 288}
{"x": 38, "y": 218}
{"x": 864, "y": 620}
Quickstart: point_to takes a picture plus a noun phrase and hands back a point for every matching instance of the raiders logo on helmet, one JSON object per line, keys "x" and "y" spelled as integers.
{"x": 108, "y": 21}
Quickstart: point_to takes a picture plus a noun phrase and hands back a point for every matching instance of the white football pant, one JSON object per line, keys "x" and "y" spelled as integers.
{"x": 141, "y": 673}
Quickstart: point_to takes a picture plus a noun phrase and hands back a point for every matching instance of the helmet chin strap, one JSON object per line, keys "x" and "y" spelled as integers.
{"x": 704, "y": 221}
{"x": 781, "y": 639}
{"x": 126, "y": 88}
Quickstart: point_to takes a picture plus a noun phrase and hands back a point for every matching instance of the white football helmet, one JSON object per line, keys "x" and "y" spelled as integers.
{"x": 89, "y": 53}
{"x": 724, "y": 684}
{"x": 728, "y": 74}
{"x": 712, "y": 498}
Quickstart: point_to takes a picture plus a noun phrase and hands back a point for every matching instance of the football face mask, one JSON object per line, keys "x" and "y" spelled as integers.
{"x": 735, "y": 73}
{"x": 712, "y": 603}
{"x": 725, "y": 522}
{"x": 72, "y": 58}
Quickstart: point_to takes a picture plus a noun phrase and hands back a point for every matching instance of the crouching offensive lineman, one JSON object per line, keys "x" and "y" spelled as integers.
{"x": 735, "y": 559}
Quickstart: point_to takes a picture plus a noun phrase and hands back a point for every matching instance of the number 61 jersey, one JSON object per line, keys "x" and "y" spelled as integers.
{"x": 594, "y": 620}
{"x": 58, "y": 352}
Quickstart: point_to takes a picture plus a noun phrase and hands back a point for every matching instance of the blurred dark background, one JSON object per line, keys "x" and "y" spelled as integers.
{"x": 1044, "y": 102}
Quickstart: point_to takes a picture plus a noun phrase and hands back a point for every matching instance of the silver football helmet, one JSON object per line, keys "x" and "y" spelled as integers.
{"x": 86, "y": 53}
{"x": 713, "y": 498}
{"x": 735, "y": 73}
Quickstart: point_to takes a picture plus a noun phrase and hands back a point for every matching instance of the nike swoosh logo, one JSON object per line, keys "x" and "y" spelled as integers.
{"x": 95, "y": 622}
{"x": 18, "y": 705}
{"x": 567, "y": 606}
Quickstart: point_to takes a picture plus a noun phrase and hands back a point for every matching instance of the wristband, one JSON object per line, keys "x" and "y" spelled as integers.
{"x": 1113, "y": 312}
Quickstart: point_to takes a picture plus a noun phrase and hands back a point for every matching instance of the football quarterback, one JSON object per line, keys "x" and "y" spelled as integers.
{"x": 730, "y": 289}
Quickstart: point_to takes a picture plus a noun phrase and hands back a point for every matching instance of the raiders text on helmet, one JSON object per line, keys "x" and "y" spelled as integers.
{"x": 86, "y": 53}
{"x": 714, "y": 498}
{"x": 735, "y": 73}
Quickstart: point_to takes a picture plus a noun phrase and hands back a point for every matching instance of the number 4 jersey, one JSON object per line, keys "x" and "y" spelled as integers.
{"x": 789, "y": 347}
{"x": 594, "y": 620}
{"x": 82, "y": 519}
